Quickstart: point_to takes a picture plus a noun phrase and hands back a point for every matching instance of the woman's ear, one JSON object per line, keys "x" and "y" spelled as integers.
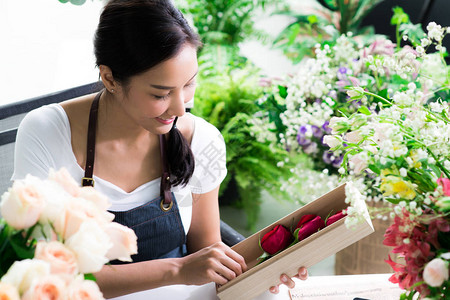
{"x": 108, "y": 79}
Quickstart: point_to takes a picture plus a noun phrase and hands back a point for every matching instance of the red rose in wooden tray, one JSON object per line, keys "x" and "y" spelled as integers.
{"x": 280, "y": 238}
{"x": 335, "y": 218}
{"x": 316, "y": 223}
{"x": 307, "y": 225}
{"x": 276, "y": 240}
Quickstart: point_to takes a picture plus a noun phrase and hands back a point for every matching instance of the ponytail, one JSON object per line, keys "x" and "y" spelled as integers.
{"x": 180, "y": 157}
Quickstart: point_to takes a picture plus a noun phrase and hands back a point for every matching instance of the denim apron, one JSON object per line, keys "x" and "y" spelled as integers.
{"x": 157, "y": 223}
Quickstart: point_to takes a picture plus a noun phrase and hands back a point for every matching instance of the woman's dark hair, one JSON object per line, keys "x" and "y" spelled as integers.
{"x": 136, "y": 35}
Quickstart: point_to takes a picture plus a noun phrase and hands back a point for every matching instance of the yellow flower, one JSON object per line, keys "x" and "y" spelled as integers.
{"x": 414, "y": 162}
{"x": 393, "y": 185}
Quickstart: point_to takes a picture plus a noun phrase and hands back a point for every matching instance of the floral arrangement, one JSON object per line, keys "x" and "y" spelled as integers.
{"x": 281, "y": 238}
{"x": 306, "y": 101}
{"x": 54, "y": 235}
{"x": 399, "y": 139}
{"x": 381, "y": 110}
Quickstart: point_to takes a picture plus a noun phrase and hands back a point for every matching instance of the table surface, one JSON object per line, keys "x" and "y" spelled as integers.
{"x": 344, "y": 287}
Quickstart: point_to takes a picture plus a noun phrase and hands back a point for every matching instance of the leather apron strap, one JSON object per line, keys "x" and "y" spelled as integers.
{"x": 88, "y": 179}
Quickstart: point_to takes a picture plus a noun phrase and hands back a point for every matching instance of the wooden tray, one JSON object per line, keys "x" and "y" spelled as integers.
{"x": 329, "y": 240}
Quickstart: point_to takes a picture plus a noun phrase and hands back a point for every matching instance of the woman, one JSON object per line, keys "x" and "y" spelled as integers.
{"x": 160, "y": 168}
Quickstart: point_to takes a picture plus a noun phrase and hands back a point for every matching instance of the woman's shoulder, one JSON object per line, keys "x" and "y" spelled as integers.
{"x": 206, "y": 138}
{"x": 201, "y": 126}
{"x": 44, "y": 118}
{"x": 195, "y": 128}
{"x": 78, "y": 108}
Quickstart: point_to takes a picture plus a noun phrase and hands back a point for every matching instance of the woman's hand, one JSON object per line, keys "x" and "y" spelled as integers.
{"x": 302, "y": 274}
{"x": 217, "y": 263}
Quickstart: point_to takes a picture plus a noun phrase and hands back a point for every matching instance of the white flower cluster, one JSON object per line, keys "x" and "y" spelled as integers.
{"x": 357, "y": 210}
{"x": 306, "y": 185}
{"x": 385, "y": 136}
{"x": 263, "y": 130}
{"x": 311, "y": 92}
{"x": 435, "y": 31}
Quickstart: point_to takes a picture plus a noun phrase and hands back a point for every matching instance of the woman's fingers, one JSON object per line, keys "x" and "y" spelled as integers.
{"x": 274, "y": 289}
{"x": 231, "y": 263}
{"x": 232, "y": 266}
{"x": 236, "y": 257}
{"x": 286, "y": 280}
{"x": 302, "y": 273}
{"x": 217, "y": 263}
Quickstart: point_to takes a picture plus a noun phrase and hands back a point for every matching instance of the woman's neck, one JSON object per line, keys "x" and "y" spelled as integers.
{"x": 115, "y": 124}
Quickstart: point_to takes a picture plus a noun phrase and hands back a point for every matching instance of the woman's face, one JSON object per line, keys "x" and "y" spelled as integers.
{"x": 156, "y": 97}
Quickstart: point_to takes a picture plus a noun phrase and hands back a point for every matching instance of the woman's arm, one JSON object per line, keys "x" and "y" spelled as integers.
{"x": 205, "y": 226}
{"x": 118, "y": 280}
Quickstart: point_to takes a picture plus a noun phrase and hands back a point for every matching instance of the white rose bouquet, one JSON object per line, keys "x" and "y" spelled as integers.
{"x": 54, "y": 235}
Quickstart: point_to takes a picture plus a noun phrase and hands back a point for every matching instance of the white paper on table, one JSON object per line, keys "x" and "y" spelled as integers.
{"x": 175, "y": 292}
{"x": 346, "y": 287}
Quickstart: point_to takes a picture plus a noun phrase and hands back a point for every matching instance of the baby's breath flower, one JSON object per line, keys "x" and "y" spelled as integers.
{"x": 420, "y": 50}
{"x": 435, "y": 31}
{"x": 424, "y": 42}
{"x": 403, "y": 172}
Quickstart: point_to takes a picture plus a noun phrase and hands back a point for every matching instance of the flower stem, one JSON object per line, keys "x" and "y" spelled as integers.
{"x": 397, "y": 36}
{"x": 438, "y": 163}
{"x": 384, "y": 100}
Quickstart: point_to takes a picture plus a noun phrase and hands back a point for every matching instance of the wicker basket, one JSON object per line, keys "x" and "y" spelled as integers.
{"x": 367, "y": 255}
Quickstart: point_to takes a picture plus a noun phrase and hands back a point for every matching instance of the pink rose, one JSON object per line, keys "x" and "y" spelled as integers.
{"x": 90, "y": 245}
{"x": 22, "y": 205}
{"x": 92, "y": 195}
{"x": 124, "y": 242}
{"x": 48, "y": 287}
{"x": 435, "y": 272}
{"x": 65, "y": 180}
{"x": 308, "y": 225}
{"x": 22, "y": 273}
{"x": 77, "y": 212}
{"x": 276, "y": 240}
{"x": 335, "y": 217}
{"x": 445, "y": 183}
{"x": 81, "y": 289}
{"x": 61, "y": 259}
{"x": 8, "y": 292}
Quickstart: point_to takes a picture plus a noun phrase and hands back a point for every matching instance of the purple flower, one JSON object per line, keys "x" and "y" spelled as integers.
{"x": 337, "y": 161}
{"x": 341, "y": 73}
{"x": 356, "y": 104}
{"x": 302, "y": 139}
{"x": 330, "y": 159}
{"x": 327, "y": 157}
{"x": 326, "y": 128}
{"x": 311, "y": 148}
{"x": 316, "y": 131}
{"x": 332, "y": 94}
